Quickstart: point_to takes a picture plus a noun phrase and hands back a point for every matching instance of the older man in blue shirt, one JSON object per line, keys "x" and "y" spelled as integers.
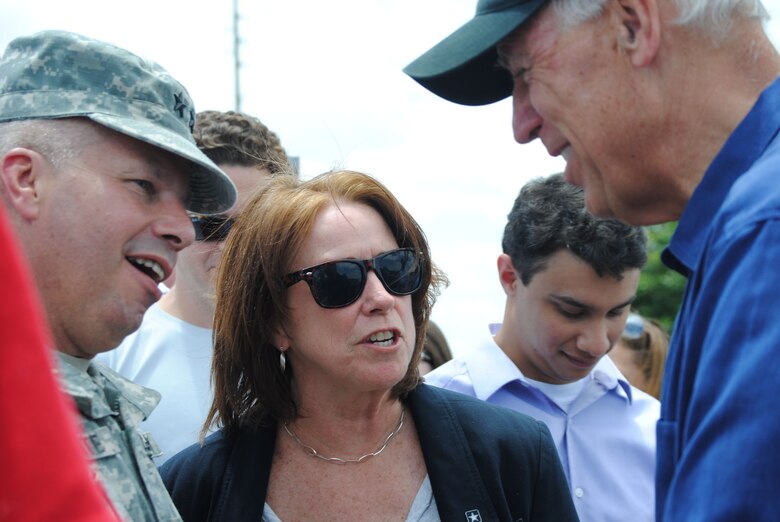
{"x": 569, "y": 279}
{"x": 664, "y": 110}
{"x": 720, "y": 371}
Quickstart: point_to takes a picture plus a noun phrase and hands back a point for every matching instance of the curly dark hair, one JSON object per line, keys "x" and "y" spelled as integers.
{"x": 235, "y": 138}
{"x": 549, "y": 214}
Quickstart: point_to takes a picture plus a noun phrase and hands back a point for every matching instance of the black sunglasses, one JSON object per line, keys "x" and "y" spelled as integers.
{"x": 211, "y": 228}
{"x": 340, "y": 283}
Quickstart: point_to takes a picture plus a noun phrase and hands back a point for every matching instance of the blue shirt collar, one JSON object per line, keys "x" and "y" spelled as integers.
{"x": 745, "y": 145}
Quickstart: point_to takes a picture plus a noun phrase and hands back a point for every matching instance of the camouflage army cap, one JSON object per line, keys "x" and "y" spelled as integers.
{"x": 57, "y": 74}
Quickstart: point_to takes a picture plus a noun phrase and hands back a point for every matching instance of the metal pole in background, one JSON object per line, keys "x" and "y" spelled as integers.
{"x": 236, "y": 58}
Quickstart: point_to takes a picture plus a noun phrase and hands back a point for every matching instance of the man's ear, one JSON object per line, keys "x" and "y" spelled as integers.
{"x": 21, "y": 174}
{"x": 638, "y": 24}
{"x": 507, "y": 275}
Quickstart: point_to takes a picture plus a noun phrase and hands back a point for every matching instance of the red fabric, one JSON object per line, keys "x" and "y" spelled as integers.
{"x": 44, "y": 472}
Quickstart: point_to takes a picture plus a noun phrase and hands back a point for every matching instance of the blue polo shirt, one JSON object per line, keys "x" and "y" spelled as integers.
{"x": 719, "y": 433}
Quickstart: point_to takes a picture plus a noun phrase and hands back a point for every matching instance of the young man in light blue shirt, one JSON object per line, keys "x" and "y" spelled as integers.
{"x": 570, "y": 279}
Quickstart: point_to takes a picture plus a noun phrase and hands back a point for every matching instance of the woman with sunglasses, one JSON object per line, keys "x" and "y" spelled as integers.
{"x": 323, "y": 295}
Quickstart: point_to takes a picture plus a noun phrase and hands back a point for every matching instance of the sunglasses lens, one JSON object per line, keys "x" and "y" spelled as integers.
{"x": 340, "y": 283}
{"x": 211, "y": 228}
{"x": 400, "y": 271}
{"x": 337, "y": 284}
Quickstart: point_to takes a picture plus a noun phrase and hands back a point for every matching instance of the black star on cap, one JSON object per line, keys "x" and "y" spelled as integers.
{"x": 180, "y": 106}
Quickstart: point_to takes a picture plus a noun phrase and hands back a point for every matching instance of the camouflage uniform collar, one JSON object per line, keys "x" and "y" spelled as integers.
{"x": 91, "y": 399}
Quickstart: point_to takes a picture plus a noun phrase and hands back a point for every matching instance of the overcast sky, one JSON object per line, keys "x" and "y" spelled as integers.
{"x": 326, "y": 77}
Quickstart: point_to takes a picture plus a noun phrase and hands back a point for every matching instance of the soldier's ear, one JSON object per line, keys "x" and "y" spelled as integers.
{"x": 24, "y": 174}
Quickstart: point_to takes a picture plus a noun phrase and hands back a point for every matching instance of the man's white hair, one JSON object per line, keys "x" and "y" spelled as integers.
{"x": 711, "y": 16}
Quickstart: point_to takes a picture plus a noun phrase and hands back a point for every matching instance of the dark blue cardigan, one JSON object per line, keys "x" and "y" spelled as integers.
{"x": 479, "y": 457}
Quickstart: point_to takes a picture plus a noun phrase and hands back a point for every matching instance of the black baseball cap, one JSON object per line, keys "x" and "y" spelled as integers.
{"x": 463, "y": 68}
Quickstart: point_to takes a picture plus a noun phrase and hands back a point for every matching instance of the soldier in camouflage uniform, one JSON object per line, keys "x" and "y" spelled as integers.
{"x": 98, "y": 169}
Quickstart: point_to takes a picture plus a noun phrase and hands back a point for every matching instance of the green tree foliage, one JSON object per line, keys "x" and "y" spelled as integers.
{"x": 660, "y": 288}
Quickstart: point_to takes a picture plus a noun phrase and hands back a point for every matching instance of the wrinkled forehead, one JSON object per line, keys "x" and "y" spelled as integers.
{"x": 521, "y": 38}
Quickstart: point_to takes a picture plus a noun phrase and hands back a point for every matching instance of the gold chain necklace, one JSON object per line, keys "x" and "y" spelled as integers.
{"x": 336, "y": 460}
